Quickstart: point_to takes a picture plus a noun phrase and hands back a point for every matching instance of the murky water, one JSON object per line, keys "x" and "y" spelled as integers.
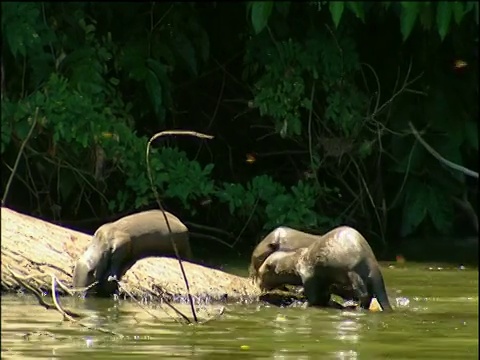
{"x": 436, "y": 317}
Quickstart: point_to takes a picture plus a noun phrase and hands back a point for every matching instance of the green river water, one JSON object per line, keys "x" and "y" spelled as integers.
{"x": 435, "y": 317}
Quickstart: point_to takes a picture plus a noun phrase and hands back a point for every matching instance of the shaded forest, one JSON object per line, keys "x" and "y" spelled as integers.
{"x": 311, "y": 106}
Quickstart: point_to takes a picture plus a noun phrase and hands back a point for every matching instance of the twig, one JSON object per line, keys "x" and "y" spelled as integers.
{"x": 310, "y": 146}
{"x": 70, "y": 318}
{"x": 66, "y": 165}
{"x": 466, "y": 206}
{"x": 394, "y": 201}
{"x": 439, "y": 157}
{"x": 405, "y": 85}
{"x": 157, "y": 198}
{"x": 148, "y": 312}
{"x": 20, "y": 152}
{"x": 210, "y": 237}
{"x": 248, "y": 221}
{"x": 162, "y": 18}
{"x": 20, "y": 279}
{"x": 378, "y": 84}
{"x": 27, "y": 335}
{"x": 215, "y": 111}
{"x": 22, "y": 180}
{"x": 216, "y": 316}
{"x": 209, "y": 228}
{"x": 362, "y": 179}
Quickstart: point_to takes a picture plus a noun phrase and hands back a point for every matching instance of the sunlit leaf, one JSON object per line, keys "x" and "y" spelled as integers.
{"x": 250, "y": 158}
{"x": 459, "y": 64}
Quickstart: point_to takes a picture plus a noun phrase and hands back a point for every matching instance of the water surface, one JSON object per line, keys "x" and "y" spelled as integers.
{"x": 436, "y": 317}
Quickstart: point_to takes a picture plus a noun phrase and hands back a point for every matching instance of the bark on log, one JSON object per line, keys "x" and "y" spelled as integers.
{"x": 31, "y": 246}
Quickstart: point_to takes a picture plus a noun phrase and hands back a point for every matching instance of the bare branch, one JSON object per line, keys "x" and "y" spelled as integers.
{"x": 154, "y": 137}
{"x": 439, "y": 157}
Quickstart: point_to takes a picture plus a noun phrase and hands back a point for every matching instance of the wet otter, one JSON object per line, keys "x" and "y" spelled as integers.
{"x": 280, "y": 239}
{"x": 279, "y": 269}
{"x": 339, "y": 262}
{"x": 116, "y": 246}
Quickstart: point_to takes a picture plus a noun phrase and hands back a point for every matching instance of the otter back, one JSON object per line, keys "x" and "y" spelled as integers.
{"x": 340, "y": 262}
{"x": 342, "y": 256}
{"x": 116, "y": 246}
{"x": 146, "y": 234}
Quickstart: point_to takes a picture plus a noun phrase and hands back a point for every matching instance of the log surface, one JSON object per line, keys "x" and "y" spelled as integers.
{"x": 33, "y": 247}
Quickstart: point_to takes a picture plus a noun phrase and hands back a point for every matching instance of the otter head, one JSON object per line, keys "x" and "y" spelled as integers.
{"x": 278, "y": 270}
{"x": 93, "y": 266}
{"x": 270, "y": 244}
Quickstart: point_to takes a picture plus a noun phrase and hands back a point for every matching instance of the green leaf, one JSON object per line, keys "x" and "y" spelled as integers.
{"x": 439, "y": 209}
{"x": 208, "y": 169}
{"x": 336, "y": 10}
{"x": 444, "y": 15}
{"x": 283, "y": 7}
{"x": 414, "y": 207}
{"x": 471, "y": 134}
{"x": 186, "y": 51}
{"x": 357, "y": 8}
{"x": 470, "y": 5}
{"x": 154, "y": 90}
{"x": 408, "y": 17}
{"x": 261, "y": 11}
{"x": 458, "y": 11}
{"x": 204, "y": 44}
{"x": 426, "y": 16}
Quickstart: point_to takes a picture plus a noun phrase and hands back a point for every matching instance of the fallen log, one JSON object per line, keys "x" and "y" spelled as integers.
{"x": 35, "y": 248}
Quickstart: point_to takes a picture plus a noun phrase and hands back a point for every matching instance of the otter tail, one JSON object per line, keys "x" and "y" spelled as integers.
{"x": 378, "y": 287}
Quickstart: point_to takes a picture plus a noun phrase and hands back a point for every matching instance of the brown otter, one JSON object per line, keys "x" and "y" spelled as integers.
{"x": 339, "y": 262}
{"x": 116, "y": 246}
{"x": 280, "y": 239}
{"x": 279, "y": 269}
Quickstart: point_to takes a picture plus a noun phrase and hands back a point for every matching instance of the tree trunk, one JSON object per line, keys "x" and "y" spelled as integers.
{"x": 35, "y": 248}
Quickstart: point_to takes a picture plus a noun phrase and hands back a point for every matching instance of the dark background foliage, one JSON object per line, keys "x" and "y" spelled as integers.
{"x": 309, "y": 104}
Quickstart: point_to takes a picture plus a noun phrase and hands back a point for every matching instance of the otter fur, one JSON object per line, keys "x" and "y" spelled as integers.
{"x": 280, "y": 239}
{"x": 340, "y": 262}
{"x": 116, "y": 246}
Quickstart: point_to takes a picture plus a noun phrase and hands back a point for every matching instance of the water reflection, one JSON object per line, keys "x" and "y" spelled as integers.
{"x": 442, "y": 318}
{"x": 348, "y": 331}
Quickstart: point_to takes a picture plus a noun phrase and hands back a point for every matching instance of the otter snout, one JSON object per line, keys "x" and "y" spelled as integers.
{"x": 83, "y": 275}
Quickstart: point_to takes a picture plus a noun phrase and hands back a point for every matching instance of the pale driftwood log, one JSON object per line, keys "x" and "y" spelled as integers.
{"x": 33, "y": 247}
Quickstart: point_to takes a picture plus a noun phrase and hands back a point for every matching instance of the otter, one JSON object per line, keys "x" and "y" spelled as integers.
{"x": 280, "y": 239}
{"x": 116, "y": 246}
{"x": 340, "y": 262}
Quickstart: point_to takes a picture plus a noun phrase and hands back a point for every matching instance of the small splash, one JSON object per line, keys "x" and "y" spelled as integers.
{"x": 402, "y": 301}
{"x": 244, "y": 347}
{"x": 89, "y": 342}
